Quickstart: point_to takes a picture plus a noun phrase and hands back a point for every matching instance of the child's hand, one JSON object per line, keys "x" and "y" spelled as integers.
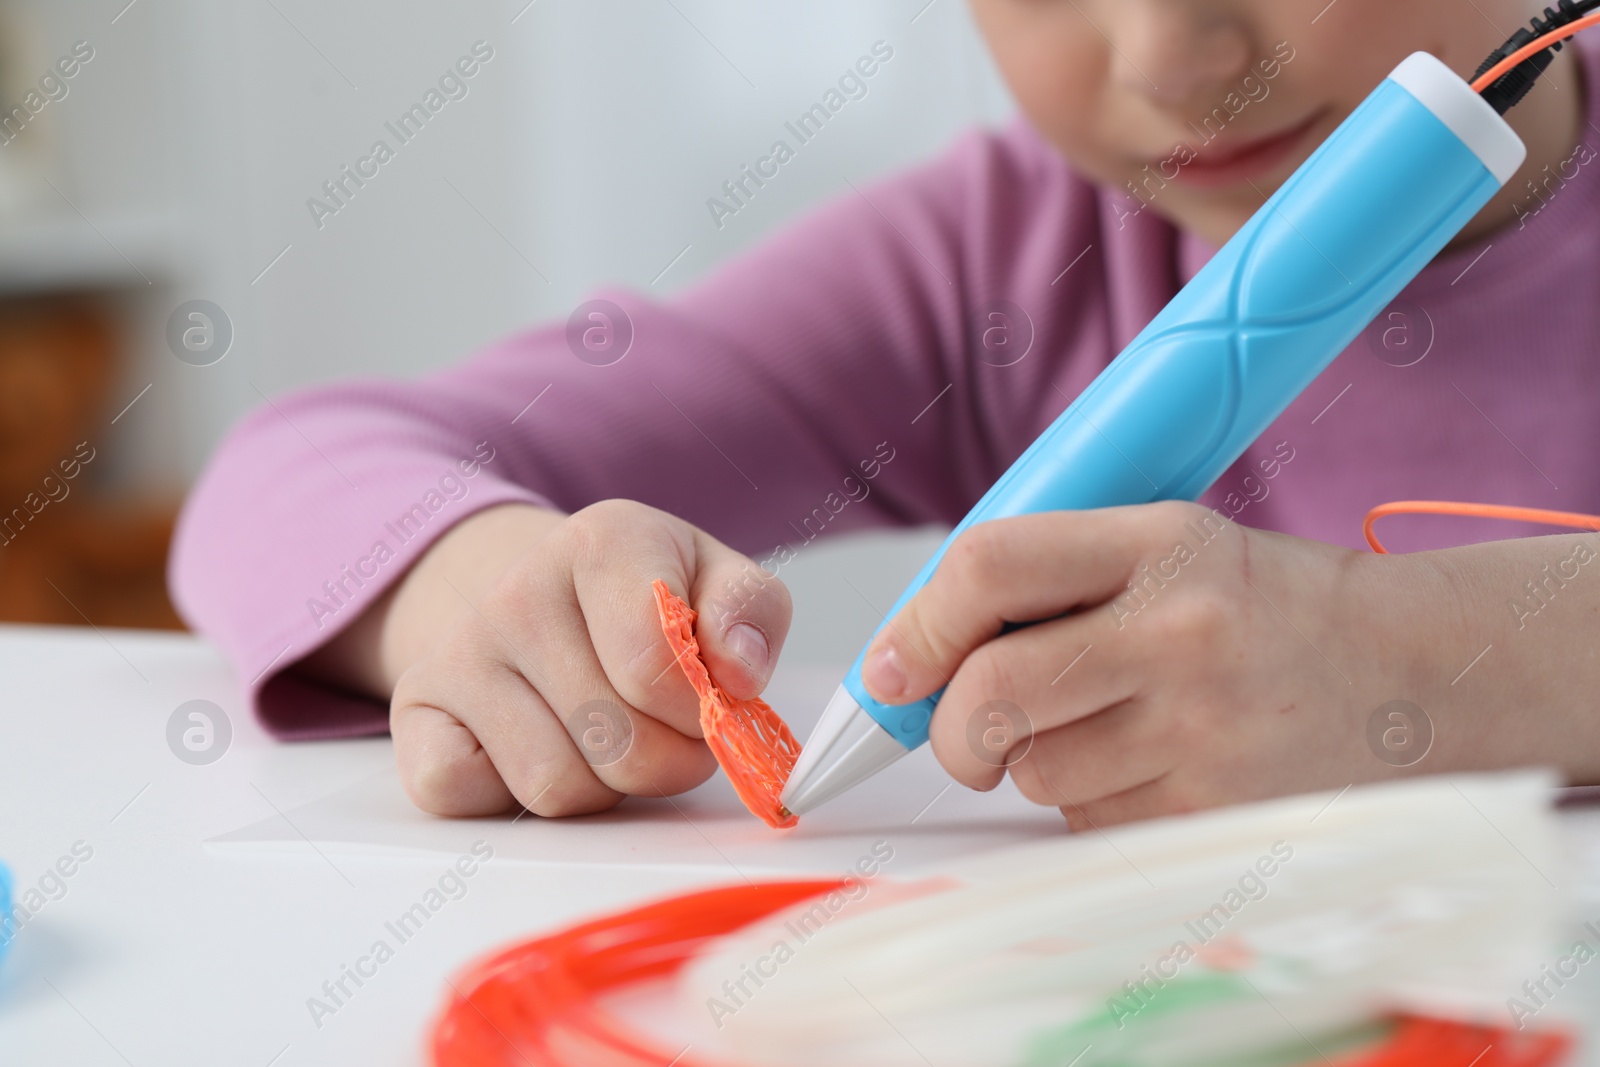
{"x": 557, "y": 690}
{"x": 1241, "y": 664}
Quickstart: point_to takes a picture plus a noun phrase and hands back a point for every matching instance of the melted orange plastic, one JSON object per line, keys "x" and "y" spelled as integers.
{"x": 753, "y": 745}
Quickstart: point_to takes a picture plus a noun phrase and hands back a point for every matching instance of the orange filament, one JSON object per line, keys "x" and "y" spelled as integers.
{"x": 753, "y": 745}
{"x": 1531, "y": 49}
{"x": 545, "y": 1002}
{"x": 1482, "y": 511}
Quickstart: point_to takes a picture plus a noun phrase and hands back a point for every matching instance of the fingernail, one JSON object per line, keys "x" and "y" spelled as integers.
{"x": 750, "y": 645}
{"x": 883, "y": 673}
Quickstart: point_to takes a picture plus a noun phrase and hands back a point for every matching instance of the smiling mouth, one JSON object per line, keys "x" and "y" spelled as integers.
{"x": 1240, "y": 162}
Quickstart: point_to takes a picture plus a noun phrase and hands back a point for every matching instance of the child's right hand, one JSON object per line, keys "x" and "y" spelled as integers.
{"x": 531, "y": 664}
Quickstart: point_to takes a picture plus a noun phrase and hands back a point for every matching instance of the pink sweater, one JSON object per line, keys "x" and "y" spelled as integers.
{"x": 848, "y": 374}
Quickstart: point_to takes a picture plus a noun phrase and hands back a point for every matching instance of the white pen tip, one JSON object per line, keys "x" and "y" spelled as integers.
{"x": 847, "y": 747}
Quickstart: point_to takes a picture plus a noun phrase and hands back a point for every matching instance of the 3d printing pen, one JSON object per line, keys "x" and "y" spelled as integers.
{"x": 1298, "y": 283}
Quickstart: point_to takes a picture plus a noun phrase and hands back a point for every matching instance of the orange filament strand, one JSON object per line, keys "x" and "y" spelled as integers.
{"x": 1481, "y": 511}
{"x": 543, "y": 1002}
{"x": 1532, "y": 48}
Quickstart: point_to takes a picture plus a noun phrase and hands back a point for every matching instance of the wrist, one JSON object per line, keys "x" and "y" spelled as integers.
{"x": 1407, "y": 613}
{"x": 1501, "y": 687}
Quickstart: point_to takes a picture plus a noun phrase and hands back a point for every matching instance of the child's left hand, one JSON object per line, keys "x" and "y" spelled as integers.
{"x": 1241, "y": 664}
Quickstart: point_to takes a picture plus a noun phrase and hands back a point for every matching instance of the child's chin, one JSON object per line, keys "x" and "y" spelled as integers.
{"x": 1214, "y": 215}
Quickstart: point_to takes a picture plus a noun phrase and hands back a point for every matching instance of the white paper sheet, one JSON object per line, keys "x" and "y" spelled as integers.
{"x": 913, "y": 805}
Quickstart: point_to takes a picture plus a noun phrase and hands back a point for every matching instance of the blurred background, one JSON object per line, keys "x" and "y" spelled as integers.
{"x": 162, "y": 267}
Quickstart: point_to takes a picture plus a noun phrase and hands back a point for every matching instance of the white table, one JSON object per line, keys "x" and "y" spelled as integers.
{"x": 171, "y": 947}
{"x": 165, "y": 949}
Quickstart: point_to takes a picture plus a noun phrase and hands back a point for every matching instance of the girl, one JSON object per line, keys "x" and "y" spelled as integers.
{"x": 481, "y": 563}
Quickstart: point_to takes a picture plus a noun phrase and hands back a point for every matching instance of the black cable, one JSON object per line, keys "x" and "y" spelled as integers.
{"x": 1506, "y": 92}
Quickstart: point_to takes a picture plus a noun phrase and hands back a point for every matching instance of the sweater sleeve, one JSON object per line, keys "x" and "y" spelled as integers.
{"x": 824, "y": 382}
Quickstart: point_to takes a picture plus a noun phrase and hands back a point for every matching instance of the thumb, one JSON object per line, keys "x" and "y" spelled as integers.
{"x": 1005, "y": 572}
{"x": 744, "y": 615}
{"x": 918, "y": 650}
{"x": 964, "y": 604}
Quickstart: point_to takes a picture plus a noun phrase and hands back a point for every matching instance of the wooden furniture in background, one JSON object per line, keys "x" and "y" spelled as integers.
{"x": 70, "y": 551}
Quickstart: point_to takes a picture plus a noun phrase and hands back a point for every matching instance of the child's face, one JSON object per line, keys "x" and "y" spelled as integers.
{"x": 1125, "y": 85}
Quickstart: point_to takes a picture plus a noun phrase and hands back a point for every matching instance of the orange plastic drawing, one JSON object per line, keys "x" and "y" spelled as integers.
{"x": 754, "y": 746}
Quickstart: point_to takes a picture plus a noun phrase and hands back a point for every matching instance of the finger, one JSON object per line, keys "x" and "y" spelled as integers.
{"x": 566, "y": 696}
{"x": 442, "y": 767}
{"x": 744, "y": 617}
{"x": 634, "y": 753}
{"x": 552, "y": 765}
{"x": 1019, "y": 569}
{"x": 1026, "y": 683}
{"x": 1148, "y": 800}
{"x": 462, "y": 716}
{"x": 1105, "y": 754}
{"x": 605, "y": 559}
{"x": 743, "y": 612}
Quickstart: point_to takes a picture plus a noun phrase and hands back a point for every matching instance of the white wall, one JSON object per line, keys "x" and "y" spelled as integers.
{"x": 589, "y": 144}
{"x": 590, "y": 141}
{"x": 635, "y": 119}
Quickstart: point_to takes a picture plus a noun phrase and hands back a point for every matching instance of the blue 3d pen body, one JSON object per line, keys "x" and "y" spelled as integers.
{"x": 1387, "y": 190}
